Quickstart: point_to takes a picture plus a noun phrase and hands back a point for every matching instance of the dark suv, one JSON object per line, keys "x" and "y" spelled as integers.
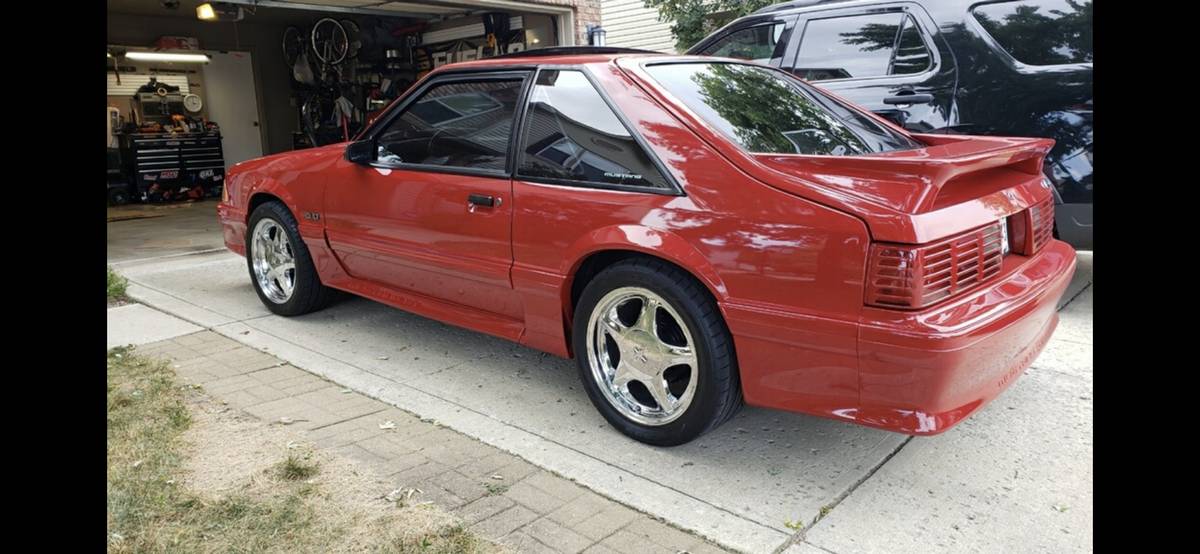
{"x": 1011, "y": 67}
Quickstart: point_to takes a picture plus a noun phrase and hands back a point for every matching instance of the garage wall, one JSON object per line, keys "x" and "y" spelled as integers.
{"x": 194, "y": 78}
{"x": 262, "y": 40}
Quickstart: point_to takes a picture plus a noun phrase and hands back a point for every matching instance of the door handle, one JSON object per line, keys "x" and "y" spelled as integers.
{"x": 910, "y": 98}
{"x": 483, "y": 200}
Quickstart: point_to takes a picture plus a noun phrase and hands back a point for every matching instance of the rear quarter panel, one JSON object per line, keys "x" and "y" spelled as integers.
{"x": 787, "y": 272}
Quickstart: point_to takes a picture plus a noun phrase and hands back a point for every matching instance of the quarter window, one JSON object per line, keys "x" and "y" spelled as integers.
{"x": 753, "y": 43}
{"x": 460, "y": 124}
{"x": 572, "y": 135}
{"x": 1040, "y": 32}
{"x": 912, "y": 56}
{"x": 861, "y": 46}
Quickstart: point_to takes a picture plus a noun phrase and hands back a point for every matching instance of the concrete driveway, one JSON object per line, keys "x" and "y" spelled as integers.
{"x": 1017, "y": 476}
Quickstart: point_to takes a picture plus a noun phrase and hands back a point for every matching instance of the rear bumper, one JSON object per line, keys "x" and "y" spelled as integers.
{"x": 233, "y": 227}
{"x": 921, "y": 373}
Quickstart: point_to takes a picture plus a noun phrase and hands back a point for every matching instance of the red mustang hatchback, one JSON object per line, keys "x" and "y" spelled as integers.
{"x": 696, "y": 232}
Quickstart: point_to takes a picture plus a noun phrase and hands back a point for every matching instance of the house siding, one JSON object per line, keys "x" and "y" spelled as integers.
{"x": 630, "y": 24}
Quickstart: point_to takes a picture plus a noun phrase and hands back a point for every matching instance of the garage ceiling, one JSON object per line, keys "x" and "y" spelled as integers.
{"x": 372, "y": 7}
{"x": 298, "y": 12}
{"x": 289, "y": 11}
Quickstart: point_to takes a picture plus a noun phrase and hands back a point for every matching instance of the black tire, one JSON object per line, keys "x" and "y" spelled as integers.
{"x": 308, "y": 294}
{"x": 118, "y": 196}
{"x": 718, "y": 390}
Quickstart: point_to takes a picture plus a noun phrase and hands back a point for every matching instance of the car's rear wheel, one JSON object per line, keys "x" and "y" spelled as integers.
{"x": 281, "y": 267}
{"x": 654, "y": 354}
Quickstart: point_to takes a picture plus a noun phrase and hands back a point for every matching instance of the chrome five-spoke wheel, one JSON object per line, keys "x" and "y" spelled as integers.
{"x": 273, "y": 261}
{"x": 642, "y": 356}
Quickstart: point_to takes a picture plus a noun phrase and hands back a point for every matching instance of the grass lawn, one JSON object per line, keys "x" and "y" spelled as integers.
{"x": 187, "y": 474}
{"x": 116, "y": 287}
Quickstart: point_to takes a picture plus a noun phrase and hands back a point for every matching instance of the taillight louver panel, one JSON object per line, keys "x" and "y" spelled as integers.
{"x": 1041, "y": 218}
{"x": 915, "y": 277}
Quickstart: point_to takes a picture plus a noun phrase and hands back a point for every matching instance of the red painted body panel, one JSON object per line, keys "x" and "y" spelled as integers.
{"x": 781, "y": 242}
{"x": 414, "y": 231}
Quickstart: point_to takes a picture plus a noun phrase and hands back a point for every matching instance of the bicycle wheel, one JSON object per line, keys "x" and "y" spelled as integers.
{"x": 353, "y": 37}
{"x": 329, "y": 41}
{"x": 317, "y": 118}
{"x": 293, "y": 44}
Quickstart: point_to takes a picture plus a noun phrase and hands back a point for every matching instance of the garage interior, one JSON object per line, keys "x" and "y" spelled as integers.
{"x": 195, "y": 87}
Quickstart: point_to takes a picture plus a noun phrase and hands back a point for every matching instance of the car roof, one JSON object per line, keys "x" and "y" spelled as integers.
{"x": 794, "y": 4}
{"x": 799, "y": 5}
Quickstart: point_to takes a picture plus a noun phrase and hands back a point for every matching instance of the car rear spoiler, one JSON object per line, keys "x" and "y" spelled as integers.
{"x": 949, "y": 170}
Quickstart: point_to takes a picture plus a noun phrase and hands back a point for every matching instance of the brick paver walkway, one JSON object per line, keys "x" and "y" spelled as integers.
{"x": 498, "y": 495}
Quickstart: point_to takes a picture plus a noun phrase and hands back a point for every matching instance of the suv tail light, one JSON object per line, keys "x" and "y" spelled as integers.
{"x": 916, "y": 276}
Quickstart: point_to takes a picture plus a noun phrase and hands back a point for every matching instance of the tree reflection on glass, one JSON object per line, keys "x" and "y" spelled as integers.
{"x": 768, "y": 115}
{"x": 1038, "y": 36}
{"x": 872, "y": 36}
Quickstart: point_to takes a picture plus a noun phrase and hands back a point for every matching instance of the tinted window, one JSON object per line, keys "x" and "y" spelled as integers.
{"x": 1041, "y": 32}
{"x": 753, "y": 43}
{"x": 572, "y": 134}
{"x": 764, "y": 110}
{"x": 861, "y": 46}
{"x": 912, "y": 56}
{"x": 462, "y": 124}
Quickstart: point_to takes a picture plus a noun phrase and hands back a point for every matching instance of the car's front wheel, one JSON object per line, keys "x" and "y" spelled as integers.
{"x": 281, "y": 267}
{"x": 654, "y": 353}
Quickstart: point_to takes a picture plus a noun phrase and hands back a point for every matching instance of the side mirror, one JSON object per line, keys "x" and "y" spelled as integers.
{"x": 361, "y": 152}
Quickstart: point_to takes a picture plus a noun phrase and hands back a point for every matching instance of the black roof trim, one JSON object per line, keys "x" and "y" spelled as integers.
{"x": 572, "y": 51}
{"x": 795, "y": 4}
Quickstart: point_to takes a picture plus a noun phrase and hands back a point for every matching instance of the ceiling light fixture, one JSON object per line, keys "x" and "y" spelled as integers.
{"x": 219, "y": 11}
{"x": 167, "y": 57}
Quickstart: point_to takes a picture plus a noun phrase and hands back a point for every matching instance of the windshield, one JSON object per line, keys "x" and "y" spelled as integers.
{"x": 767, "y": 111}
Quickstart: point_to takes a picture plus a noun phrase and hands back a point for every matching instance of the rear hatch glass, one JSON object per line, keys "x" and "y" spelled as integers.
{"x": 767, "y": 111}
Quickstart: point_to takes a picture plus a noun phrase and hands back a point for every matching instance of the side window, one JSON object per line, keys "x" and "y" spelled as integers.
{"x": 465, "y": 124}
{"x": 752, "y": 43}
{"x": 1040, "y": 32}
{"x": 571, "y": 134}
{"x": 860, "y": 46}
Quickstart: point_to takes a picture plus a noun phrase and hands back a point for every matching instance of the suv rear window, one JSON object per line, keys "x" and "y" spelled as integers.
{"x": 1040, "y": 32}
{"x": 753, "y": 43}
{"x": 766, "y": 111}
{"x": 859, "y": 46}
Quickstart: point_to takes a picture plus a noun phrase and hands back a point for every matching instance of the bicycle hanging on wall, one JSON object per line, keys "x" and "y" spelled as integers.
{"x": 327, "y": 96}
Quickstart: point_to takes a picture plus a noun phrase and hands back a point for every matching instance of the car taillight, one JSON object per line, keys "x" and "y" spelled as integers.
{"x": 1031, "y": 229}
{"x": 1018, "y": 232}
{"x": 1041, "y": 221}
{"x": 916, "y": 276}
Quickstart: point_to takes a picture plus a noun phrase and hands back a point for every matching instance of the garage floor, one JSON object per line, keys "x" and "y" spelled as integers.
{"x": 143, "y": 231}
{"x": 1017, "y": 476}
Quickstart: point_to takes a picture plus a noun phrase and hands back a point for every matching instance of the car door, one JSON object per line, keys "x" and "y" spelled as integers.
{"x": 888, "y": 58}
{"x": 432, "y": 213}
